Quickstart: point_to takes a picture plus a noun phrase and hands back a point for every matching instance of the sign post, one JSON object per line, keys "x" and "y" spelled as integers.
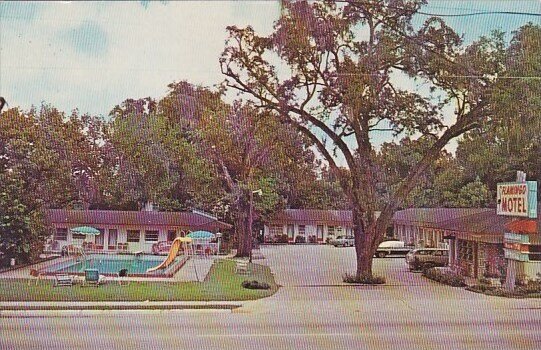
{"x": 517, "y": 199}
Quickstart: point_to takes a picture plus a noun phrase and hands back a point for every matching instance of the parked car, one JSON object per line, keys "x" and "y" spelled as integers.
{"x": 343, "y": 241}
{"x": 392, "y": 248}
{"x": 425, "y": 258}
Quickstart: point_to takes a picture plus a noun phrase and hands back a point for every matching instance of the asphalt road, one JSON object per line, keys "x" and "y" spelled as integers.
{"x": 313, "y": 310}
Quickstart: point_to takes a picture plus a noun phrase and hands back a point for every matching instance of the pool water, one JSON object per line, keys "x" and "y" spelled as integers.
{"x": 112, "y": 266}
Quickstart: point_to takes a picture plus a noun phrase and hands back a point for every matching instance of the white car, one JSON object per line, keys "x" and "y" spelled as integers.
{"x": 394, "y": 248}
{"x": 343, "y": 241}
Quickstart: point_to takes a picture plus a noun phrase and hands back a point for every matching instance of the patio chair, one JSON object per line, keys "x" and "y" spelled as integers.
{"x": 241, "y": 267}
{"x": 121, "y": 275}
{"x": 35, "y": 273}
{"x": 63, "y": 280}
{"x": 92, "y": 276}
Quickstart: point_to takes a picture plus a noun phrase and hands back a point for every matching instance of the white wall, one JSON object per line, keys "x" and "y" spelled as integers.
{"x": 122, "y": 232}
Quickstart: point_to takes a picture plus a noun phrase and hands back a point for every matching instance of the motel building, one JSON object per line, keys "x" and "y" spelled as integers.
{"x": 474, "y": 237}
{"x": 307, "y": 226}
{"x": 125, "y": 231}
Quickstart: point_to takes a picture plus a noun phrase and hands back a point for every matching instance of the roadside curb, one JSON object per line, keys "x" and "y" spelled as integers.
{"x": 111, "y": 306}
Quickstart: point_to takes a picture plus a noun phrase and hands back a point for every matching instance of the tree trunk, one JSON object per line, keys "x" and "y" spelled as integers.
{"x": 243, "y": 234}
{"x": 367, "y": 239}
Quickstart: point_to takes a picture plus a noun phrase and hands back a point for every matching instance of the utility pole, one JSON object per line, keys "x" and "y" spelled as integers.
{"x": 250, "y": 219}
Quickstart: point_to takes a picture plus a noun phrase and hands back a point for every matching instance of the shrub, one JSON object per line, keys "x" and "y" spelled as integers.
{"x": 300, "y": 239}
{"x": 255, "y": 285}
{"x": 492, "y": 275}
{"x": 281, "y": 239}
{"x": 531, "y": 287}
{"x": 447, "y": 277}
{"x": 363, "y": 279}
{"x": 416, "y": 265}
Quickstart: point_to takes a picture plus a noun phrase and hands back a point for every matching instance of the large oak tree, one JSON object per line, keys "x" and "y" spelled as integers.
{"x": 331, "y": 71}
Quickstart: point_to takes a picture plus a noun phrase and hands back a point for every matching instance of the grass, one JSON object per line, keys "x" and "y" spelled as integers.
{"x": 221, "y": 284}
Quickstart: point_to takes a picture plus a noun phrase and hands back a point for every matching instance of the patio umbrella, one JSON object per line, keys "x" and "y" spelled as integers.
{"x": 201, "y": 235}
{"x": 86, "y": 230}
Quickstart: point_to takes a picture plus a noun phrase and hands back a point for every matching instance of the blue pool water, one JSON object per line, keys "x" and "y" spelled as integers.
{"x": 112, "y": 266}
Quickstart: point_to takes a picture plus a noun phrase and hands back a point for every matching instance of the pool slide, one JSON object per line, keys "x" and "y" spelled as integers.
{"x": 170, "y": 257}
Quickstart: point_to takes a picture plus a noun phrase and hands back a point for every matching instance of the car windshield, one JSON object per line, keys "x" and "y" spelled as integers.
{"x": 340, "y": 237}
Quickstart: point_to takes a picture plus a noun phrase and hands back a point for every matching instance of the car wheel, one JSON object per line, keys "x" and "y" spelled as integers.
{"x": 381, "y": 254}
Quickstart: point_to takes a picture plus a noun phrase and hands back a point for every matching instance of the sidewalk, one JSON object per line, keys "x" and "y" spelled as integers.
{"x": 118, "y": 305}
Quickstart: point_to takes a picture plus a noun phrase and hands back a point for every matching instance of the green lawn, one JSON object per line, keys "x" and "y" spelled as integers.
{"x": 221, "y": 284}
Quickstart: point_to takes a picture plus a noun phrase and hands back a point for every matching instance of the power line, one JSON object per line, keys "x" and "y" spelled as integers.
{"x": 469, "y": 14}
{"x": 480, "y": 13}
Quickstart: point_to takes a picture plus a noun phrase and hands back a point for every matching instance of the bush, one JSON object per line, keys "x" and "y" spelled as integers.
{"x": 281, "y": 239}
{"x": 364, "y": 279}
{"x": 449, "y": 278}
{"x": 300, "y": 239}
{"x": 531, "y": 287}
{"x": 255, "y": 285}
{"x": 492, "y": 275}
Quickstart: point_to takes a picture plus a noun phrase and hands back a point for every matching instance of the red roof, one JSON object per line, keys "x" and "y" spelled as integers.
{"x": 523, "y": 226}
{"x": 475, "y": 223}
{"x": 136, "y": 218}
{"x": 433, "y": 217}
{"x": 338, "y": 217}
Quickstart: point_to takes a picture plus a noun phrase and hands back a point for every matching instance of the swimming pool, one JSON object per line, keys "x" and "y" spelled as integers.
{"x": 137, "y": 266}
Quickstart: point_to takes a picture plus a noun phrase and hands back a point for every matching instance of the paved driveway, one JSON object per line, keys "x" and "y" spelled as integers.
{"x": 313, "y": 310}
{"x": 311, "y": 280}
{"x": 319, "y": 265}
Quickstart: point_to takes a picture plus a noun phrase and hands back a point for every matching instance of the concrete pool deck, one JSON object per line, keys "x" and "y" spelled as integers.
{"x": 195, "y": 269}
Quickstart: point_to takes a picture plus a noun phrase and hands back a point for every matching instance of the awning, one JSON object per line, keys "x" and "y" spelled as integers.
{"x": 85, "y": 230}
{"x": 201, "y": 235}
{"x": 522, "y": 226}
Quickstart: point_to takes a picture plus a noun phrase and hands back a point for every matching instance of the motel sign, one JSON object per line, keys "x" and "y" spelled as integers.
{"x": 517, "y": 199}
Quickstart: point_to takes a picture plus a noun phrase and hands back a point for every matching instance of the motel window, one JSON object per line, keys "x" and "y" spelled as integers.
{"x": 331, "y": 230}
{"x": 465, "y": 250}
{"x": 133, "y": 236}
{"x": 276, "y": 230}
{"x": 100, "y": 238}
{"x": 535, "y": 252}
{"x": 151, "y": 236}
{"x": 61, "y": 234}
{"x": 290, "y": 231}
{"x": 302, "y": 230}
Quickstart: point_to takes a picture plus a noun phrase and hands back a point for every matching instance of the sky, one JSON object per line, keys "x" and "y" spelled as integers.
{"x": 94, "y": 55}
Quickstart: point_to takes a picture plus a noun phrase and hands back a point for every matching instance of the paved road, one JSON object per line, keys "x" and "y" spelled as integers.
{"x": 312, "y": 310}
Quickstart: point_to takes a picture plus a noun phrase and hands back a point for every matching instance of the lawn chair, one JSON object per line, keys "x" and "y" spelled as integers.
{"x": 242, "y": 267}
{"x": 92, "y": 276}
{"x": 35, "y": 273}
{"x": 121, "y": 275}
{"x": 63, "y": 280}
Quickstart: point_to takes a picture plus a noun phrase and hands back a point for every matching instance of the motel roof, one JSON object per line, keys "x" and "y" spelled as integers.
{"x": 134, "y": 218}
{"x": 309, "y": 216}
{"x": 467, "y": 223}
{"x": 433, "y": 217}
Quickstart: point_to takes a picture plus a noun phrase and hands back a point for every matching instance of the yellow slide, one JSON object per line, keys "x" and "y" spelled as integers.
{"x": 171, "y": 256}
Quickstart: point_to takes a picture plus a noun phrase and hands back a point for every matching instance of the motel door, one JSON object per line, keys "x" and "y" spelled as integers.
{"x": 319, "y": 233}
{"x": 113, "y": 234}
{"x": 171, "y": 235}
